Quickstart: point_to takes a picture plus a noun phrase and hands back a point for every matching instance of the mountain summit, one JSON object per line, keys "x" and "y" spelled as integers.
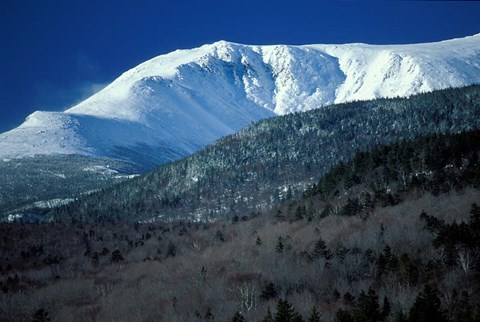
{"x": 174, "y": 104}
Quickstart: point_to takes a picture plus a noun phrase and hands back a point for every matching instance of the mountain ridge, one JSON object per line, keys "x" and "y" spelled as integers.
{"x": 174, "y": 104}
{"x": 263, "y": 164}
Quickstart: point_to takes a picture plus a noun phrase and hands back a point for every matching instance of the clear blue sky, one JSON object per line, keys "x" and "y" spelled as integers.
{"x": 56, "y": 52}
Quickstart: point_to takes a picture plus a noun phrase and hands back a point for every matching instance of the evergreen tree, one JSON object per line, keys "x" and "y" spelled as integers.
{"x": 268, "y": 292}
{"x": 344, "y": 316}
{"x": 116, "y": 256}
{"x": 300, "y": 213}
{"x": 314, "y": 316}
{"x": 258, "y": 241}
{"x": 342, "y": 252}
{"x": 367, "y": 308}
{"x": 426, "y": 307}
{"x": 286, "y": 312}
{"x": 320, "y": 250}
{"x": 351, "y": 208}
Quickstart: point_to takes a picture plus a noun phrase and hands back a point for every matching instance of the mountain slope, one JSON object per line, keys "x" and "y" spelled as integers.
{"x": 174, "y": 104}
{"x": 42, "y": 181}
{"x": 387, "y": 175}
{"x": 262, "y": 165}
{"x": 405, "y": 256}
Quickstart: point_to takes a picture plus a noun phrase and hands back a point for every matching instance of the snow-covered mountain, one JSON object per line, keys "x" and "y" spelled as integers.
{"x": 174, "y": 104}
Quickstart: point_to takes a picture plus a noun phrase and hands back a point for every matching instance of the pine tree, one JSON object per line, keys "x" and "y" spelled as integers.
{"x": 116, "y": 256}
{"x": 286, "y": 312}
{"x": 367, "y": 308}
{"x": 268, "y": 292}
{"x": 314, "y": 316}
{"x": 300, "y": 213}
{"x": 320, "y": 250}
{"x": 426, "y": 307}
{"x": 351, "y": 208}
{"x": 342, "y": 252}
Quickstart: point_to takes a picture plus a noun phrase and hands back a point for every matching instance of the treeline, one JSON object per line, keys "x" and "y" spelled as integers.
{"x": 275, "y": 159}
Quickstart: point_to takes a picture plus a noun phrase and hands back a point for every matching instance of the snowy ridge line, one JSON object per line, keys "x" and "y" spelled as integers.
{"x": 174, "y": 104}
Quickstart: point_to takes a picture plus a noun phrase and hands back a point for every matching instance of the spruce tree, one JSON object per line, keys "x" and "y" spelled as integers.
{"x": 367, "y": 308}
{"x": 300, "y": 213}
{"x": 268, "y": 292}
{"x": 427, "y": 307}
{"x": 320, "y": 250}
{"x": 116, "y": 256}
{"x": 314, "y": 316}
{"x": 286, "y": 312}
{"x": 258, "y": 241}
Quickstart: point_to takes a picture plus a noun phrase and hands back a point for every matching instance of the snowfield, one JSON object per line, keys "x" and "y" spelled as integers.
{"x": 174, "y": 104}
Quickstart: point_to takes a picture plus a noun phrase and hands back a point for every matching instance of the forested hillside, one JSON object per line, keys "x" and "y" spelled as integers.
{"x": 275, "y": 159}
{"x": 385, "y": 175}
{"x": 391, "y": 235}
{"x": 31, "y": 183}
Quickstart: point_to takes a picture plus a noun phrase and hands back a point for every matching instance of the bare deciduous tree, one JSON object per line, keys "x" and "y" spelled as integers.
{"x": 248, "y": 296}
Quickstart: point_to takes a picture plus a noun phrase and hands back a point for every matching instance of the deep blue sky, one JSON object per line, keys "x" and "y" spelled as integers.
{"x": 55, "y": 53}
